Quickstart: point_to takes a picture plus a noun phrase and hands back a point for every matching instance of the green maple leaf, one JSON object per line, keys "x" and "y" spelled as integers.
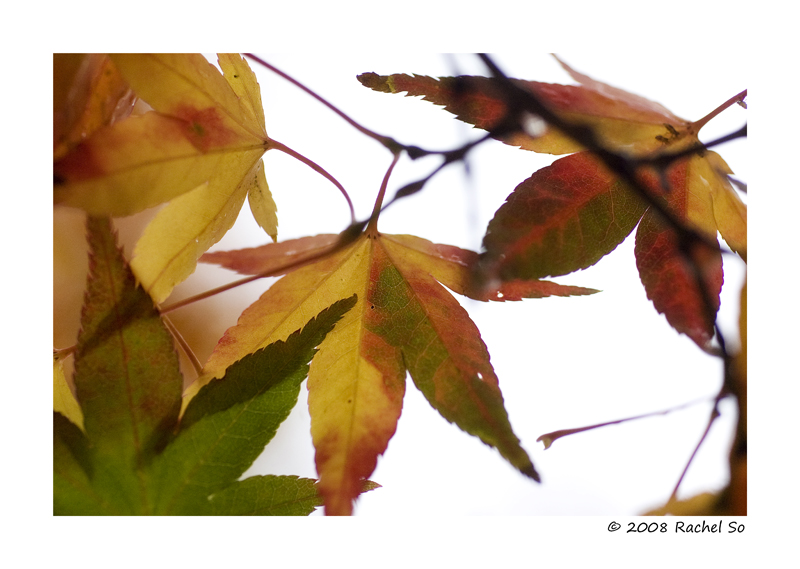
{"x": 135, "y": 456}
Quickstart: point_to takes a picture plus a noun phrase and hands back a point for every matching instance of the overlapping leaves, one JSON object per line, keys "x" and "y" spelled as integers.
{"x": 569, "y": 215}
{"x": 132, "y": 455}
{"x": 404, "y": 321}
{"x": 200, "y": 149}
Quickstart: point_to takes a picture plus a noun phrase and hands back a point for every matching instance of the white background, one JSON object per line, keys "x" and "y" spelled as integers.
{"x": 562, "y": 362}
{"x": 705, "y": 49}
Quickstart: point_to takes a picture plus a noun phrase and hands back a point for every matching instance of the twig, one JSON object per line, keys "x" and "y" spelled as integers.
{"x": 450, "y": 156}
{"x": 372, "y": 228}
{"x": 549, "y": 438}
{"x": 714, "y": 414}
{"x": 664, "y": 159}
{"x": 698, "y": 124}
{"x": 520, "y": 100}
{"x": 387, "y": 141}
{"x": 314, "y": 166}
{"x": 198, "y": 367}
{"x": 345, "y": 238}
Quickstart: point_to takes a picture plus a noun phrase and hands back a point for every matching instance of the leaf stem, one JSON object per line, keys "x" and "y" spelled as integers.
{"x": 388, "y": 142}
{"x": 664, "y": 159}
{"x": 728, "y": 388}
{"x": 549, "y": 438}
{"x": 314, "y": 166}
{"x": 209, "y": 293}
{"x": 697, "y": 125}
{"x": 345, "y": 238}
{"x": 449, "y": 156}
{"x": 714, "y": 414}
{"x": 198, "y": 367}
{"x": 372, "y": 228}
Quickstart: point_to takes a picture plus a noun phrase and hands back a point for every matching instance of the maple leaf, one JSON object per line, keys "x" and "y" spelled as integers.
{"x": 127, "y": 379}
{"x": 200, "y": 149}
{"x": 567, "y": 216}
{"x": 64, "y": 401}
{"x": 88, "y": 93}
{"x": 133, "y": 456}
{"x": 404, "y": 321}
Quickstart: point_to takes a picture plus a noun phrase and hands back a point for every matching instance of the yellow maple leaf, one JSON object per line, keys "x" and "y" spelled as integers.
{"x": 403, "y": 320}
{"x": 64, "y": 401}
{"x": 200, "y": 149}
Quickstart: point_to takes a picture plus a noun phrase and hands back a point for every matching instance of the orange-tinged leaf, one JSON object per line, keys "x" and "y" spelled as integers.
{"x": 355, "y": 396}
{"x": 451, "y": 266}
{"x": 404, "y": 320}
{"x": 274, "y": 257}
{"x": 737, "y": 489}
{"x": 200, "y": 132}
{"x": 671, "y": 271}
{"x": 618, "y": 103}
{"x": 141, "y": 162}
{"x": 565, "y": 217}
{"x": 738, "y": 456}
{"x": 740, "y": 361}
{"x": 730, "y": 213}
{"x": 189, "y": 88}
{"x": 443, "y": 351}
{"x": 168, "y": 250}
{"x": 671, "y": 281}
{"x": 261, "y": 203}
{"x": 88, "y": 93}
{"x": 705, "y": 504}
{"x": 354, "y": 404}
{"x": 200, "y": 149}
{"x": 568, "y": 215}
{"x": 286, "y": 306}
{"x": 624, "y": 122}
{"x": 241, "y": 79}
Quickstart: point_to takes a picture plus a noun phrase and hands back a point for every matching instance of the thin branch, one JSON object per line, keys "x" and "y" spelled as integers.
{"x": 520, "y": 100}
{"x": 450, "y": 156}
{"x": 549, "y": 438}
{"x": 372, "y": 228}
{"x": 209, "y": 293}
{"x": 714, "y": 414}
{"x": 740, "y": 185}
{"x": 345, "y": 238}
{"x": 198, "y": 367}
{"x": 697, "y": 125}
{"x": 664, "y": 159}
{"x": 314, "y": 166}
{"x": 387, "y": 141}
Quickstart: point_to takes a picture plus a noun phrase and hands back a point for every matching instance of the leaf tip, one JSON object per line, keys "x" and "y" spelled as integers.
{"x": 369, "y": 485}
{"x": 375, "y": 82}
{"x": 530, "y": 472}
